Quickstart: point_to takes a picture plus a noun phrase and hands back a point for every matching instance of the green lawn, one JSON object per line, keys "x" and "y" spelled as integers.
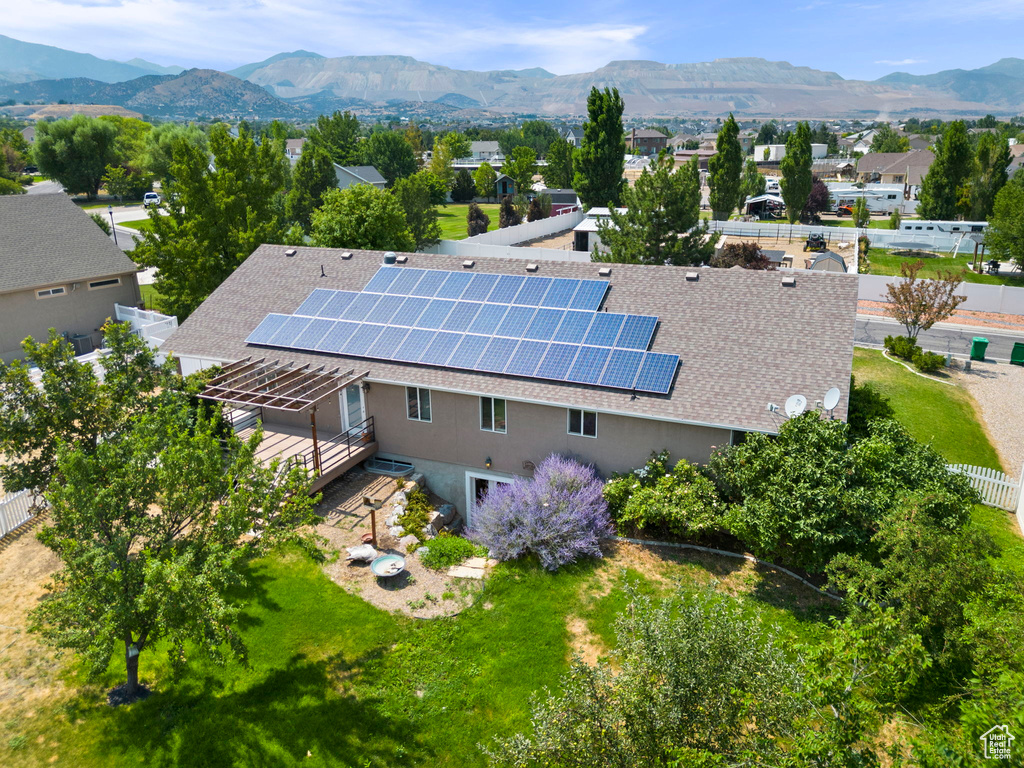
{"x": 150, "y": 296}
{"x": 140, "y": 224}
{"x": 884, "y": 262}
{"x": 872, "y": 224}
{"x": 452, "y": 219}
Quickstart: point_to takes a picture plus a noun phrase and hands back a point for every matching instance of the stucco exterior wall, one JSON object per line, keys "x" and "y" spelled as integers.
{"x": 79, "y": 311}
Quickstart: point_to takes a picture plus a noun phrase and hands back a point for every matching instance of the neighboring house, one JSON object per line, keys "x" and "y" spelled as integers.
{"x": 562, "y": 200}
{"x": 684, "y": 155}
{"x": 906, "y": 168}
{"x": 1016, "y": 158}
{"x": 680, "y": 140}
{"x": 574, "y": 135}
{"x": 747, "y": 138}
{"x": 920, "y": 141}
{"x": 350, "y": 175}
{"x": 484, "y": 150}
{"x": 585, "y": 236}
{"x": 57, "y": 270}
{"x": 293, "y": 148}
{"x": 773, "y": 153}
{"x": 29, "y": 134}
{"x": 646, "y": 141}
{"x": 512, "y": 376}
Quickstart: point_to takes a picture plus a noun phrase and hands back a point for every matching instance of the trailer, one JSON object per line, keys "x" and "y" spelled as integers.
{"x": 877, "y": 200}
{"x": 956, "y": 227}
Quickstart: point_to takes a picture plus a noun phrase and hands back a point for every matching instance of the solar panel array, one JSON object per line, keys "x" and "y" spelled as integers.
{"x": 537, "y": 327}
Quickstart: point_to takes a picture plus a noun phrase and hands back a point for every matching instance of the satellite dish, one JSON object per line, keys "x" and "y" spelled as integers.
{"x": 831, "y": 398}
{"x": 795, "y": 405}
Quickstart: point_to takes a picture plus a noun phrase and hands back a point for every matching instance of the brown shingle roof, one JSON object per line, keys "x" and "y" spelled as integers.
{"x": 744, "y": 339}
{"x": 914, "y": 164}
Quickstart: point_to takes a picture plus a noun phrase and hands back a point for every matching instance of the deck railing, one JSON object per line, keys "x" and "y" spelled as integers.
{"x": 336, "y": 450}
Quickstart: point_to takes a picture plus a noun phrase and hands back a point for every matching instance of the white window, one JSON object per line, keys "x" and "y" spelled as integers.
{"x": 418, "y": 403}
{"x": 48, "y": 292}
{"x": 104, "y": 283}
{"x": 583, "y": 423}
{"x": 492, "y": 415}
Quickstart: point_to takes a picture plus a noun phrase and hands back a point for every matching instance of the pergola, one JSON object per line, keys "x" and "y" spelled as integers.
{"x": 279, "y": 386}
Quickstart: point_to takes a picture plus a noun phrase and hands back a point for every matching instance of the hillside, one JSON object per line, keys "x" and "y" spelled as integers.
{"x": 1000, "y": 84}
{"x": 23, "y": 62}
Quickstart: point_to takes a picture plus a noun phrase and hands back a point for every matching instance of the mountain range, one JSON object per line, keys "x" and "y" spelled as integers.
{"x": 303, "y": 83}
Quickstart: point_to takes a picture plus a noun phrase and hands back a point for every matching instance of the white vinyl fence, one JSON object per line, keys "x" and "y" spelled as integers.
{"x": 980, "y": 297}
{"x": 529, "y": 230}
{"x": 943, "y": 242}
{"x": 996, "y": 488}
{"x": 16, "y": 509}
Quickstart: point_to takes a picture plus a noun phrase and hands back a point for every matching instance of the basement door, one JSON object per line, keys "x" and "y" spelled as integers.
{"x": 477, "y": 485}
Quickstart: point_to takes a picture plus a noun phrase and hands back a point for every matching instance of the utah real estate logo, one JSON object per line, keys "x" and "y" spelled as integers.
{"x": 996, "y": 742}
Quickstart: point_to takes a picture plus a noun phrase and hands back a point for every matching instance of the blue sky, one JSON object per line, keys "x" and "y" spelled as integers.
{"x": 861, "y": 39}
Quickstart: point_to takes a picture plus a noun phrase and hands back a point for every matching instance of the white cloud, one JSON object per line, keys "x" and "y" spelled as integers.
{"x": 902, "y": 62}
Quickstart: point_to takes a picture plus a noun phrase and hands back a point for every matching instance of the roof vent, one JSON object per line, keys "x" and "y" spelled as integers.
{"x": 346, "y": 255}
{"x": 389, "y": 258}
{"x": 290, "y": 252}
{"x": 692, "y": 276}
{"x": 789, "y": 281}
{"x": 469, "y": 263}
{"x": 402, "y": 259}
{"x": 605, "y": 271}
{"x": 532, "y": 267}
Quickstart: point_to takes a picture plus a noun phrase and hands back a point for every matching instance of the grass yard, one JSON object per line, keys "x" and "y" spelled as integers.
{"x": 884, "y": 262}
{"x": 872, "y": 224}
{"x": 140, "y": 224}
{"x": 452, "y": 219}
{"x": 150, "y": 296}
{"x": 334, "y": 681}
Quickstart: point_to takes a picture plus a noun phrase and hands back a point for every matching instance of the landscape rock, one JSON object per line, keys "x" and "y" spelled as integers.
{"x": 408, "y": 541}
{"x": 435, "y": 523}
{"x": 396, "y": 531}
{"x": 400, "y": 499}
{"x": 418, "y": 480}
{"x": 447, "y": 513}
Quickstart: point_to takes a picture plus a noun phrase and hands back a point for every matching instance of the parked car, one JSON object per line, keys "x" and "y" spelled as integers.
{"x": 30, "y": 169}
{"x": 150, "y": 198}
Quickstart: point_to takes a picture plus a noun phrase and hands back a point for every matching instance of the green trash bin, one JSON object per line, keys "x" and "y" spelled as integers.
{"x": 1017, "y": 355}
{"x": 978, "y": 346}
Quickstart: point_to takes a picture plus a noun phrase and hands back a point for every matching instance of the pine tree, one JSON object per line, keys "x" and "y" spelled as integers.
{"x": 944, "y": 186}
{"x": 796, "y": 172}
{"x": 600, "y": 161}
{"x": 992, "y": 158}
{"x": 508, "y": 216}
{"x": 724, "y": 170}
{"x": 463, "y": 190}
{"x": 477, "y": 221}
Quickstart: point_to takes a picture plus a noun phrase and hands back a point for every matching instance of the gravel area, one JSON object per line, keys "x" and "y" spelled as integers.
{"x": 961, "y": 317}
{"x": 418, "y": 591}
{"x": 998, "y": 391}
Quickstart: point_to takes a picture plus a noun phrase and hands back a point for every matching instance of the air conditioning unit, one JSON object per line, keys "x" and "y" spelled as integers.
{"x": 82, "y": 343}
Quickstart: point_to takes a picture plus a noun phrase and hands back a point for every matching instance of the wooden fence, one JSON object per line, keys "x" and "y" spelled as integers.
{"x": 996, "y": 488}
{"x": 16, "y": 509}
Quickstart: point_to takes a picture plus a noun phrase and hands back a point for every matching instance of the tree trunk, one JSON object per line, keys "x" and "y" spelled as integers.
{"x": 132, "y": 664}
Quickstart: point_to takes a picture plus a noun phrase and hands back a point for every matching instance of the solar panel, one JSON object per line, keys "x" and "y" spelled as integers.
{"x": 335, "y": 339}
{"x": 406, "y": 281}
{"x": 429, "y": 283}
{"x": 360, "y": 307}
{"x": 588, "y": 365}
{"x": 623, "y": 366}
{"x": 390, "y": 339}
{"x": 315, "y": 301}
{"x": 315, "y": 331}
{"x": 454, "y": 285}
{"x": 435, "y": 313}
{"x": 573, "y": 327}
{"x": 657, "y": 372}
{"x": 604, "y": 329}
{"x": 544, "y": 324}
{"x": 507, "y": 287}
{"x": 380, "y": 282}
{"x": 337, "y": 304}
{"x": 557, "y": 361}
{"x": 495, "y": 357}
{"x": 533, "y": 291}
{"x": 637, "y": 332}
{"x": 384, "y": 310}
{"x": 515, "y": 322}
{"x": 468, "y": 351}
{"x": 526, "y": 358}
{"x": 265, "y": 331}
{"x": 412, "y": 348}
{"x": 291, "y": 328}
{"x": 560, "y": 293}
{"x": 589, "y": 295}
{"x": 488, "y": 318}
{"x": 479, "y": 288}
{"x": 410, "y": 311}
{"x": 360, "y": 341}
{"x": 461, "y": 316}
{"x": 441, "y": 348}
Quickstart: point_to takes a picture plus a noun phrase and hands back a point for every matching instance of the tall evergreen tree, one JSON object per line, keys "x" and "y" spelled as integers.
{"x": 508, "y": 216}
{"x": 477, "y": 221}
{"x": 463, "y": 190}
{"x": 559, "y": 170}
{"x": 724, "y": 169}
{"x": 661, "y": 224}
{"x": 796, "y": 172}
{"x": 601, "y": 159}
{"x": 992, "y": 158}
{"x": 313, "y": 176}
{"x": 945, "y": 185}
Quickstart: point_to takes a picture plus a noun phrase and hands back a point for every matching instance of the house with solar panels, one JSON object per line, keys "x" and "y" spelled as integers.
{"x": 473, "y": 372}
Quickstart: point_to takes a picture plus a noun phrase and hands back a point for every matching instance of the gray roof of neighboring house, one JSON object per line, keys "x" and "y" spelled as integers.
{"x": 366, "y": 173}
{"x": 913, "y": 164}
{"x": 47, "y": 239}
{"x": 646, "y": 133}
{"x": 479, "y": 147}
{"x": 741, "y": 326}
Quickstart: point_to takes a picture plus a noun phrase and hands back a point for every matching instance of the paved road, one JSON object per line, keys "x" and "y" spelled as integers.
{"x": 44, "y": 188}
{"x": 944, "y": 338}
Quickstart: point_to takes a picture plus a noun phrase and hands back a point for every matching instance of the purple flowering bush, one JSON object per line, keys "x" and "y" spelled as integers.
{"x": 560, "y": 515}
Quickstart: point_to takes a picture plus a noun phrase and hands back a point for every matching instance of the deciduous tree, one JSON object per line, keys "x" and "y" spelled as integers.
{"x": 447, "y": 149}
{"x": 314, "y": 174}
{"x": 1005, "y": 235}
{"x": 559, "y": 169}
{"x": 918, "y": 303}
{"x": 390, "y": 154}
{"x": 796, "y": 172}
{"x": 944, "y": 188}
{"x": 158, "y": 153}
{"x": 724, "y": 170}
{"x": 338, "y": 136}
{"x": 601, "y": 159}
{"x": 861, "y": 213}
{"x": 362, "y": 216}
{"x": 126, "y": 183}
{"x": 521, "y": 166}
{"x": 76, "y": 152}
{"x": 992, "y": 158}
{"x": 484, "y": 179}
{"x": 415, "y": 195}
{"x": 887, "y": 140}
{"x": 463, "y": 190}
{"x": 753, "y": 182}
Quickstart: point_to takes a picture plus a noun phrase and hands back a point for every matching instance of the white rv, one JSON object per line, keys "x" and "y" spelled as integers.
{"x": 923, "y": 225}
{"x": 879, "y": 200}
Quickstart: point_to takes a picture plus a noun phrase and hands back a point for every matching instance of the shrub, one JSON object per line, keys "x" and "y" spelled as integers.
{"x": 929, "y": 362}
{"x": 464, "y": 189}
{"x": 682, "y": 501}
{"x": 445, "y": 551}
{"x": 901, "y": 346}
{"x": 416, "y": 515}
{"x": 101, "y": 222}
{"x": 866, "y": 405}
{"x": 559, "y": 515}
